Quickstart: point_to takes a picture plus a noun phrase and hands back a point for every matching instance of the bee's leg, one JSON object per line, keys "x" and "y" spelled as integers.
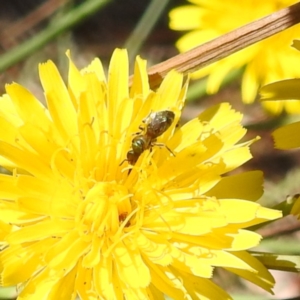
{"x": 122, "y": 162}
{"x": 164, "y": 145}
{"x": 142, "y": 130}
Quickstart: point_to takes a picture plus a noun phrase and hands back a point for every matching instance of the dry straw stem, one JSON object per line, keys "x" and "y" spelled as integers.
{"x": 227, "y": 44}
{"x": 9, "y": 38}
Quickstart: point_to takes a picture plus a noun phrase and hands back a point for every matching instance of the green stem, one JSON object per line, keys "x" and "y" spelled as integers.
{"x": 144, "y": 27}
{"x": 62, "y": 24}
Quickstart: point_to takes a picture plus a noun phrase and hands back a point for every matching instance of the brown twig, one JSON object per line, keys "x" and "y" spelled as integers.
{"x": 9, "y": 36}
{"x": 225, "y": 45}
{"x": 283, "y": 227}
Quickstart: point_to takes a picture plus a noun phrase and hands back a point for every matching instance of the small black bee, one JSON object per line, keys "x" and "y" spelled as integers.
{"x": 156, "y": 124}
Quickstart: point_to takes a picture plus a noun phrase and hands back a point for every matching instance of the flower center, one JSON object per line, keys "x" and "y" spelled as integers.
{"x": 105, "y": 209}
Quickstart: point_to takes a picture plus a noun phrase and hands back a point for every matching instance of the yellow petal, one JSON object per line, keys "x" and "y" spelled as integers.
{"x": 25, "y": 160}
{"x": 18, "y": 257}
{"x": 33, "y": 112}
{"x": 185, "y": 17}
{"x": 168, "y": 284}
{"x": 140, "y": 84}
{"x": 64, "y": 287}
{"x": 40, "y": 231}
{"x": 95, "y": 67}
{"x": 281, "y": 90}
{"x": 287, "y": 137}
{"x": 59, "y": 102}
{"x": 105, "y": 282}
{"x": 132, "y": 268}
{"x": 262, "y": 277}
{"x": 117, "y": 85}
{"x": 245, "y": 239}
{"x": 240, "y": 186}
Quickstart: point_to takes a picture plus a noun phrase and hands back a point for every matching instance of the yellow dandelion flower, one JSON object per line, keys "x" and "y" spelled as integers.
{"x": 285, "y": 137}
{"x": 79, "y": 219}
{"x": 265, "y": 62}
